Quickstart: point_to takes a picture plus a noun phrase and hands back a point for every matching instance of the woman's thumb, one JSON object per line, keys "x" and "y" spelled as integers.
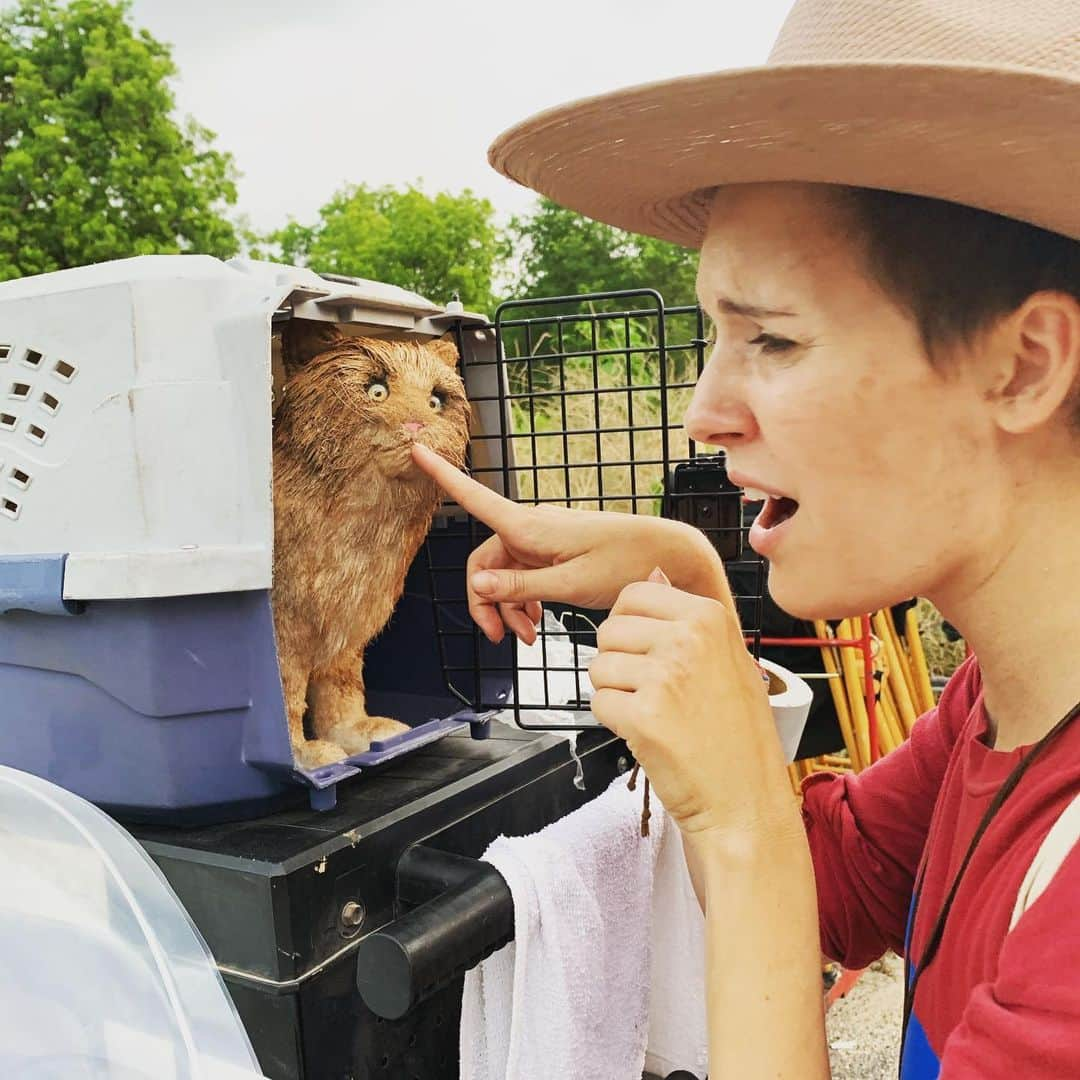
{"x": 501, "y": 586}
{"x": 659, "y": 577}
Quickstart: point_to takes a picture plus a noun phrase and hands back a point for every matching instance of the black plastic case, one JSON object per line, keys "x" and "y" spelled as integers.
{"x": 285, "y": 902}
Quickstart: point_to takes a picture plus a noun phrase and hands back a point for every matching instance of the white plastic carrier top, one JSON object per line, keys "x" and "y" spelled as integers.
{"x": 104, "y": 975}
{"x": 135, "y": 415}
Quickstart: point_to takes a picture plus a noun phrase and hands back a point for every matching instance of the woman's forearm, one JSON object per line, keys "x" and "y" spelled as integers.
{"x": 763, "y": 970}
{"x": 697, "y": 870}
{"x": 700, "y": 569}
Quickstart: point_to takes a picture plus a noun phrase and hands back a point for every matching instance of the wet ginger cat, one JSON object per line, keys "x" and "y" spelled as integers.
{"x": 350, "y": 513}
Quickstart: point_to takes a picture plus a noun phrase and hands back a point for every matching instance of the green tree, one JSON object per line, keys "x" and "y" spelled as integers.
{"x": 94, "y": 166}
{"x": 557, "y": 252}
{"x": 435, "y": 245}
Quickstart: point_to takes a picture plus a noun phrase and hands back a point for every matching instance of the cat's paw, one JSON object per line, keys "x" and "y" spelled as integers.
{"x": 356, "y": 736}
{"x": 315, "y": 753}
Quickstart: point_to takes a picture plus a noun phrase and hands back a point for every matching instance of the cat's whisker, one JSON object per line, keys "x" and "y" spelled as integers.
{"x": 349, "y": 401}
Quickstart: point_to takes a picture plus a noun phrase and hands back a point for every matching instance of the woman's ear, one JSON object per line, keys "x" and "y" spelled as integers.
{"x": 303, "y": 339}
{"x": 1036, "y": 366}
{"x": 445, "y": 348}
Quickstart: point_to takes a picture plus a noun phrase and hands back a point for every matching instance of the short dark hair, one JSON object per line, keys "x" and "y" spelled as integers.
{"x": 956, "y": 269}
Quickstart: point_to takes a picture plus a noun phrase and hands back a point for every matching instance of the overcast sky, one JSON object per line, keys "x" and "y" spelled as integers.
{"x": 311, "y": 96}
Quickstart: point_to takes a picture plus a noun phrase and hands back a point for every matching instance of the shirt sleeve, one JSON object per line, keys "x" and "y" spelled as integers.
{"x": 867, "y": 832}
{"x": 1026, "y": 1023}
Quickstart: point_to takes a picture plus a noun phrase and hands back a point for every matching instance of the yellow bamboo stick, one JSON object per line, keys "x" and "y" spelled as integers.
{"x": 892, "y": 717}
{"x": 888, "y": 739}
{"x": 796, "y": 779}
{"x": 853, "y": 685}
{"x": 900, "y": 692}
{"x": 905, "y": 664}
{"x": 852, "y": 691}
{"x": 836, "y": 760}
{"x": 879, "y": 621}
{"x": 839, "y": 696}
{"x": 918, "y": 662}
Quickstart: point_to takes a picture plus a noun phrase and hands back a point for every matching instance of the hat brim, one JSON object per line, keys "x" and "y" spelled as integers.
{"x": 647, "y": 158}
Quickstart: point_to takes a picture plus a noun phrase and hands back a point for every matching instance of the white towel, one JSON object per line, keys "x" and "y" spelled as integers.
{"x": 571, "y": 998}
{"x": 678, "y": 1031}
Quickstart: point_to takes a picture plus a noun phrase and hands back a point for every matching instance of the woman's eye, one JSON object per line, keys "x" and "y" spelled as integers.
{"x": 436, "y": 402}
{"x": 378, "y": 391}
{"x": 769, "y": 343}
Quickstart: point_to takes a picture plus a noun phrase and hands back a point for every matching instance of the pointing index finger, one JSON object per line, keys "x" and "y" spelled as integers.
{"x": 480, "y": 501}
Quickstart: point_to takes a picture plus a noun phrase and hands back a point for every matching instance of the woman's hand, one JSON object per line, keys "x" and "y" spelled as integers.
{"x": 674, "y": 679}
{"x": 578, "y": 557}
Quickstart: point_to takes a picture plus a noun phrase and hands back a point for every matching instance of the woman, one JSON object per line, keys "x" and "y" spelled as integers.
{"x": 938, "y": 331}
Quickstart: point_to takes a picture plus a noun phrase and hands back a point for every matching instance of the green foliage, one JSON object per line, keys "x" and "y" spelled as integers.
{"x": 558, "y": 252}
{"x": 94, "y": 166}
{"x": 435, "y": 245}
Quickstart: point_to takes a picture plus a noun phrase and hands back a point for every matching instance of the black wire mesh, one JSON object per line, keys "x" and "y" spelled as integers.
{"x": 581, "y": 401}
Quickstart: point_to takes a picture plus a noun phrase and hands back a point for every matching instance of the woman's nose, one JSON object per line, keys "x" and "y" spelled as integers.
{"x": 719, "y": 414}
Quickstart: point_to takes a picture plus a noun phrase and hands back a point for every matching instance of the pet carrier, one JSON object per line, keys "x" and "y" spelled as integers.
{"x": 137, "y": 655}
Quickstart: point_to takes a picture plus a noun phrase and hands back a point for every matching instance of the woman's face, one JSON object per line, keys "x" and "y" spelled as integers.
{"x": 821, "y": 392}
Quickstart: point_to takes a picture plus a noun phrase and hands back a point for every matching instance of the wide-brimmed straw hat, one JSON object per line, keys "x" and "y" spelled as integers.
{"x": 974, "y": 101}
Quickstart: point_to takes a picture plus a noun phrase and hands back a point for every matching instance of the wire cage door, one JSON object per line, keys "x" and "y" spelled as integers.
{"x": 590, "y": 393}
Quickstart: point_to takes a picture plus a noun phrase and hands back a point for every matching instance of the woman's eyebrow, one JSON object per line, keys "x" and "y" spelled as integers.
{"x": 750, "y": 311}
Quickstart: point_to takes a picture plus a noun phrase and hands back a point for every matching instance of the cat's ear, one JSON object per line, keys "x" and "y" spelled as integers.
{"x": 445, "y": 349}
{"x": 303, "y": 339}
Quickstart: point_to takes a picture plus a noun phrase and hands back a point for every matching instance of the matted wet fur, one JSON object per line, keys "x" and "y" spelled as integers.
{"x": 350, "y": 513}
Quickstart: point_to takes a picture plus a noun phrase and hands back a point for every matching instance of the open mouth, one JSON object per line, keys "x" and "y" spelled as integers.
{"x": 776, "y": 511}
{"x": 777, "y": 508}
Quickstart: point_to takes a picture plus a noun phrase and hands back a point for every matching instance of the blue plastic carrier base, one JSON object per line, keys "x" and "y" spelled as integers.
{"x": 171, "y": 709}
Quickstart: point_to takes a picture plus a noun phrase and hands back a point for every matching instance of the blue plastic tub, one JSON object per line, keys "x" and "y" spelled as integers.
{"x": 172, "y": 708}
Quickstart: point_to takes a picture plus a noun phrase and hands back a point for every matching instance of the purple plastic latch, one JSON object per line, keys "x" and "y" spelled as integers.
{"x": 384, "y": 749}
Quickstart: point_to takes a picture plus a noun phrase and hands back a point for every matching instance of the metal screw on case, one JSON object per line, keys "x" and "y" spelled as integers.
{"x": 622, "y": 763}
{"x": 351, "y": 918}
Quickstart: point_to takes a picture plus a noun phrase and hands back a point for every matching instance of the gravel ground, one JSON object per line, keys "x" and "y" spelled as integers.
{"x": 864, "y": 1027}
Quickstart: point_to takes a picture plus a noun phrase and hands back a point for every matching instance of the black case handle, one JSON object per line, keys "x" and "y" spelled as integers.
{"x": 465, "y": 913}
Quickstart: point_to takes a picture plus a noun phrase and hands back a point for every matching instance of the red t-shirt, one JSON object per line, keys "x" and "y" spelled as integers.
{"x": 993, "y": 1003}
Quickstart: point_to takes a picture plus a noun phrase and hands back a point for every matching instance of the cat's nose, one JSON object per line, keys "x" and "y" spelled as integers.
{"x": 413, "y": 426}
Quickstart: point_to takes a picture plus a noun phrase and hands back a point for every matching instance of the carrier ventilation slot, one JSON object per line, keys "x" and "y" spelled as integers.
{"x": 32, "y": 358}
{"x": 8, "y": 421}
{"x": 36, "y": 433}
{"x": 9, "y": 507}
{"x": 19, "y": 477}
{"x": 5, "y": 352}
{"x": 49, "y": 403}
{"x": 20, "y": 391}
{"x": 63, "y": 370}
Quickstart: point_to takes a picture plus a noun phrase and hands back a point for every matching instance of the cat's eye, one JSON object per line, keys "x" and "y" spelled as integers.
{"x": 436, "y": 402}
{"x": 378, "y": 391}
